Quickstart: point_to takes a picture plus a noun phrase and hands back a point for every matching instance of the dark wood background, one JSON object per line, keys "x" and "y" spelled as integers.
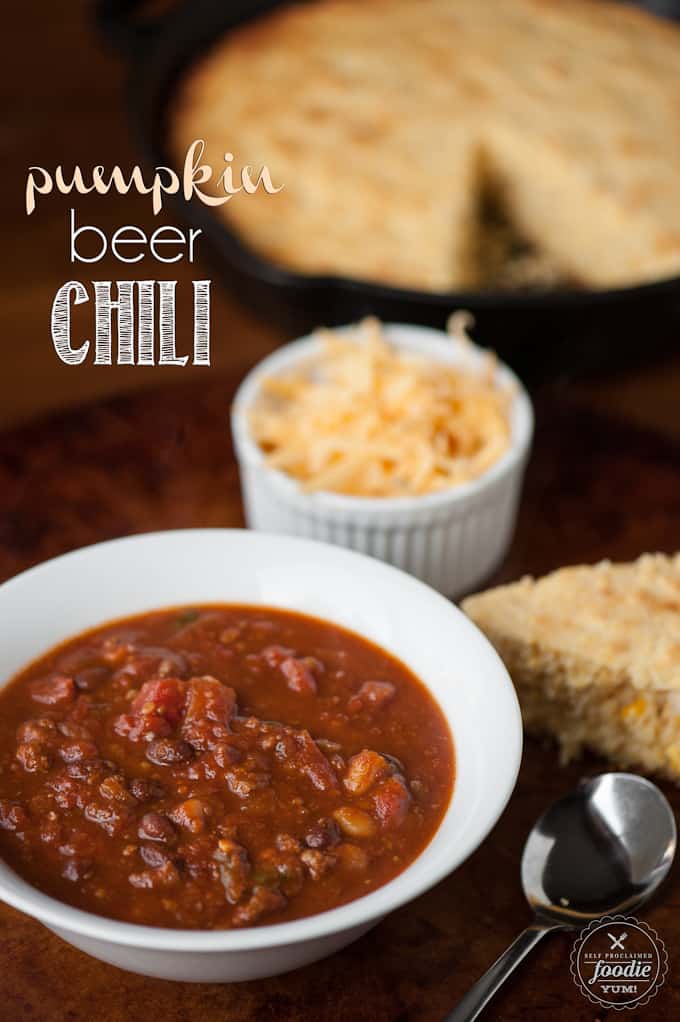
{"x": 150, "y": 450}
{"x": 162, "y": 459}
{"x": 62, "y": 100}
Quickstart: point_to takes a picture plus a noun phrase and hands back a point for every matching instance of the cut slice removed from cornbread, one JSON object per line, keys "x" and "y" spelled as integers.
{"x": 594, "y": 652}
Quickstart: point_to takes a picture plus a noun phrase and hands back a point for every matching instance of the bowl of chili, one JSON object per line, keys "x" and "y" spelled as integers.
{"x": 232, "y": 753}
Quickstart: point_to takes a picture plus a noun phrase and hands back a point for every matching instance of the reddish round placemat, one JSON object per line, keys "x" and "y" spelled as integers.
{"x": 163, "y": 460}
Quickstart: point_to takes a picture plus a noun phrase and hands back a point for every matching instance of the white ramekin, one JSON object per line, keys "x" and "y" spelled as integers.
{"x": 63, "y": 597}
{"x": 452, "y": 540}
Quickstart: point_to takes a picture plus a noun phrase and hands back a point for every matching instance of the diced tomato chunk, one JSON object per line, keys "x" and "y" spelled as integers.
{"x": 166, "y": 875}
{"x": 391, "y": 802}
{"x": 209, "y": 699}
{"x": 56, "y": 690}
{"x": 298, "y": 675}
{"x": 274, "y": 656}
{"x": 138, "y": 728}
{"x": 310, "y": 761}
{"x": 364, "y": 770}
{"x": 116, "y": 649}
{"x": 191, "y": 815}
{"x": 371, "y": 695}
{"x": 163, "y": 697}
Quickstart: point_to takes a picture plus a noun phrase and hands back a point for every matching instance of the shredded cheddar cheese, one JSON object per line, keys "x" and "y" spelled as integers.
{"x": 368, "y": 419}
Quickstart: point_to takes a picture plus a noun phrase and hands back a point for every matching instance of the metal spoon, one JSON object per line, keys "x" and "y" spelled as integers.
{"x": 604, "y": 849}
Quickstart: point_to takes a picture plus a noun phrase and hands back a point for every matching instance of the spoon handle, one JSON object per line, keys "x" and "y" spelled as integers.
{"x": 477, "y": 998}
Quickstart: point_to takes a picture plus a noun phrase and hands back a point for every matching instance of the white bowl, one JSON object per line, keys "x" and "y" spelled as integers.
{"x": 453, "y": 539}
{"x": 62, "y": 597}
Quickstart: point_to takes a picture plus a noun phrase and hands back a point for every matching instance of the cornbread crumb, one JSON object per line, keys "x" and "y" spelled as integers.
{"x": 634, "y": 709}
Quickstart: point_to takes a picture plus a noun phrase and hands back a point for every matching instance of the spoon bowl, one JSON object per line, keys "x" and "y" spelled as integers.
{"x": 604, "y": 848}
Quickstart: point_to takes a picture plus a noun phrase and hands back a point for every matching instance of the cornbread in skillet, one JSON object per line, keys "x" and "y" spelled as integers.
{"x": 594, "y": 653}
{"x": 390, "y": 123}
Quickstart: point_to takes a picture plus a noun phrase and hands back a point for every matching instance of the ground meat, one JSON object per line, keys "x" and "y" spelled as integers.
{"x": 57, "y": 690}
{"x": 233, "y": 867}
{"x": 262, "y": 901}
{"x": 75, "y": 869}
{"x": 164, "y": 876}
{"x": 317, "y": 863}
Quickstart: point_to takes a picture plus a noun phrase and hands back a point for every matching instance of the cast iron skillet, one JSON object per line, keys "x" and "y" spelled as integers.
{"x": 541, "y": 335}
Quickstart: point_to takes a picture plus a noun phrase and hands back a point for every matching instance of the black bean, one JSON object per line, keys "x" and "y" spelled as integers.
{"x": 90, "y": 678}
{"x": 154, "y": 856}
{"x": 395, "y": 763}
{"x": 169, "y": 751}
{"x": 84, "y": 770}
{"x": 324, "y": 834}
{"x": 156, "y": 827}
{"x": 144, "y": 789}
{"x": 226, "y": 755}
{"x": 34, "y": 757}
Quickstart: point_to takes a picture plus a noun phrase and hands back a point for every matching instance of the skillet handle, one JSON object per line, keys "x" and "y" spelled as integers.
{"x": 122, "y": 24}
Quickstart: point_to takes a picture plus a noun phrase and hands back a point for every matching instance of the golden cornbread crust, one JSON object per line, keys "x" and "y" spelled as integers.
{"x": 595, "y": 655}
{"x": 386, "y": 120}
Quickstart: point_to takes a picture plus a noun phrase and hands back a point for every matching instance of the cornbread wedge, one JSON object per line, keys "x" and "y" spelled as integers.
{"x": 594, "y": 652}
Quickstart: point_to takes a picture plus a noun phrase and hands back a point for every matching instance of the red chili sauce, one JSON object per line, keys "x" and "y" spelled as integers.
{"x": 218, "y": 767}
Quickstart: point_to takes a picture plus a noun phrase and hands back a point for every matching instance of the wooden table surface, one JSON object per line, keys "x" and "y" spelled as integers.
{"x": 162, "y": 459}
